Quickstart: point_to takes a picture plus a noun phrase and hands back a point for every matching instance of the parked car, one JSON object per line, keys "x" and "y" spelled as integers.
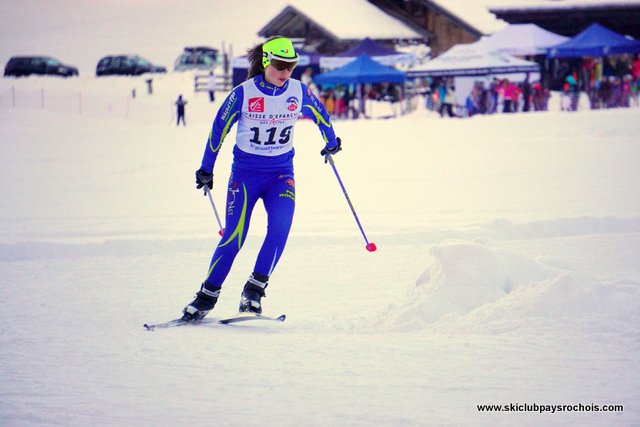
{"x": 41, "y": 65}
{"x": 131, "y": 65}
{"x": 197, "y": 58}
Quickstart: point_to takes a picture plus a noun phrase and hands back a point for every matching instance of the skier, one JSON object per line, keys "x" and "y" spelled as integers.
{"x": 266, "y": 107}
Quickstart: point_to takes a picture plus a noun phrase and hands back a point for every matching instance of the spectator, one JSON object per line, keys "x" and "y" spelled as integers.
{"x": 485, "y": 99}
{"x": 307, "y": 78}
{"x": 634, "y": 98}
{"x": 508, "y": 93}
{"x": 565, "y": 98}
{"x": 615, "y": 100}
{"x": 540, "y": 96}
{"x": 635, "y": 68}
{"x": 608, "y": 69}
{"x": 340, "y": 104}
{"x": 494, "y": 89}
{"x": 635, "y": 80}
{"x": 623, "y": 67}
{"x": 526, "y": 94}
{"x": 180, "y": 103}
{"x": 447, "y": 98}
{"x": 604, "y": 93}
{"x": 328, "y": 99}
{"x": 211, "y": 86}
{"x": 433, "y": 103}
{"x": 572, "y": 91}
{"x": 515, "y": 105}
{"x": 472, "y": 103}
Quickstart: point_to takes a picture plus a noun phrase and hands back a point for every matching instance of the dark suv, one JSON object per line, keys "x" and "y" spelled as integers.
{"x": 41, "y": 65}
{"x": 128, "y": 65}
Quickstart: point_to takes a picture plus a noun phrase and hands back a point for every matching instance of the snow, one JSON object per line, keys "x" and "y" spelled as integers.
{"x": 378, "y": 25}
{"x": 479, "y": 13}
{"x": 506, "y": 270}
{"x": 475, "y": 13}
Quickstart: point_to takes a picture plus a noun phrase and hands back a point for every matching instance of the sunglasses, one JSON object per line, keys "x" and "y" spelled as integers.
{"x": 283, "y": 65}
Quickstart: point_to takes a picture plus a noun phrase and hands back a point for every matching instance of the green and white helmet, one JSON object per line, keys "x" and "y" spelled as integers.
{"x": 280, "y": 49}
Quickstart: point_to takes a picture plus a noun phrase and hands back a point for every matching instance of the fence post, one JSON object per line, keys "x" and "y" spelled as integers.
{"x": 13, "y": 96}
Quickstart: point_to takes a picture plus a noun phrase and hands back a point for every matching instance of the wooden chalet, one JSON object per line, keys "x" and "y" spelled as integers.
{"x": 569, "y": 17}
{"x": 309, "y": 25}
{"x": 422, "y": 21}
{"x": 445, "y": 28}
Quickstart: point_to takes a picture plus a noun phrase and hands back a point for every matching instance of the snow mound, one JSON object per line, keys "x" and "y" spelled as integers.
{"x": 564, "y": 304}
{"x": 474, "y": 288}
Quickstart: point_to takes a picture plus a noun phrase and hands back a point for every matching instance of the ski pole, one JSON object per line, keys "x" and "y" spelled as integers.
{"x": 215, "y": 211}
{"x": 371, "y": 247}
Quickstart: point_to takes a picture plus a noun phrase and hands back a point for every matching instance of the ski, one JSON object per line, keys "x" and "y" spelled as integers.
{"x": 244, "y": 317}
{"x": 240, "y": 317}
{"x": 175, "y": 323}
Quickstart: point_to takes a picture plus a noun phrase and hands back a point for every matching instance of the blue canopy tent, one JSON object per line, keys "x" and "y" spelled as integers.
{"x": 597, "y": 41}
{"x": 368, "y": 47}
{"x": 363, "y": 69}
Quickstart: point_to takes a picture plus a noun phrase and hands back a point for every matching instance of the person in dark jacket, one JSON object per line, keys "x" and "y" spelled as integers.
{"x": 180, "y": 103}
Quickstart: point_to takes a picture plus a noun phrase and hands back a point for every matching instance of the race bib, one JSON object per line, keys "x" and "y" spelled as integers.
{"x": 266, "y": 126}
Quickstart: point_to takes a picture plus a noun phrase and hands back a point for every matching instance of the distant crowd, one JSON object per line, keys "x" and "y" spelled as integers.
{"x": 608, "y": 85}
{"x": 500, "y": 96}
{"x": 605, "y": 84}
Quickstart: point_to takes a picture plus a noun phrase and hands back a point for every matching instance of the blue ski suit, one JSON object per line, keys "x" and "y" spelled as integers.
{"x": 262, "y": 165}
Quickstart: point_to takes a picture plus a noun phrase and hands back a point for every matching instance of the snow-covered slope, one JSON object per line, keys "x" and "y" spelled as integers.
{"x": 506, "y": 271}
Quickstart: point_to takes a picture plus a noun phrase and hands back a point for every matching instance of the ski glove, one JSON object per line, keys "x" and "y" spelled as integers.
{"x": 204, "y": 178}
{"x": 326, "y": 152}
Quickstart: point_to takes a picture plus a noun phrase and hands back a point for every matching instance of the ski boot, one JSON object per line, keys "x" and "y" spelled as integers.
{"x": 205, "y": 300}
{"x": 252, "y": 293}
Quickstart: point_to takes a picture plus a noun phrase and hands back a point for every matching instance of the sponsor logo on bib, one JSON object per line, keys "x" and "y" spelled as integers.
{"x": 256, "y": 105}
{"x": 292, "y": 102}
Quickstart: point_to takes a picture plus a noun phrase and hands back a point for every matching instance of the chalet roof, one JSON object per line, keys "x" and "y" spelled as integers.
{"x": 568, "y": 17}
{"x": 489, "y": 16}
{"x": 303, "y": 16}
{"x": 474, "y": 15}
{"x": 531, "y": 5}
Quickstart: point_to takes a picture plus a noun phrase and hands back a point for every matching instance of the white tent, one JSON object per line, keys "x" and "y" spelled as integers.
{"x": 473, "y": 62}
{"x": 473, "y": 59}
{"x": 523, "y": 39}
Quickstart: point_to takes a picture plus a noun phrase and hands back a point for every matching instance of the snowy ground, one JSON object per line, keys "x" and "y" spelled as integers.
{"x": 506, "y": 271}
